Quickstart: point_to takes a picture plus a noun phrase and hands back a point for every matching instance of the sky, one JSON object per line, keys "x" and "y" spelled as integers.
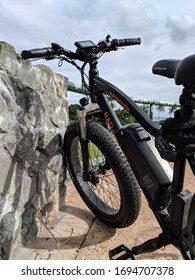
{"x": 166, "y": 28}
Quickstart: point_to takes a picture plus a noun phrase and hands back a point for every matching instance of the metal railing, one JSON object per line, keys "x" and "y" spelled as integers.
{"x": 79, "y": 89}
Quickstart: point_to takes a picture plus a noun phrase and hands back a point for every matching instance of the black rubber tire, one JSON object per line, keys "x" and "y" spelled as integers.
{"x": 124, "y": 210}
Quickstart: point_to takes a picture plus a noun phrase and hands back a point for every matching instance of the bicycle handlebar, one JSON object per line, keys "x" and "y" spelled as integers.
{"x": 48, "y": 52}
{"x": 126, "y": 42}
{"x": 37, "y": 53}
{"x": 107, "y": 46}
{"x": 55, "y": 49}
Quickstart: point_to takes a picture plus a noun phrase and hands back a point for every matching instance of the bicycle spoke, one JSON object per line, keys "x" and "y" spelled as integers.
{"x": 105, "y": 193}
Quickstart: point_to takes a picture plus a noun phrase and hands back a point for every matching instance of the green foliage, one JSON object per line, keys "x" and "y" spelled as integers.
{"x": 122, "y": 114}
{"x": 124, "y": 117}
{"x": 160, "y": 108}
{"x": 73, "y": 114}
{"x": 145, "y": 108}
{"x": 172, "y": 109}
{"x": 111, "y": 101}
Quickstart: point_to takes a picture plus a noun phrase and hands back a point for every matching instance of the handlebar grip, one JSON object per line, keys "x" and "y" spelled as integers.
{"x": 37, "y": 53}
{"x": 126, "y": 42}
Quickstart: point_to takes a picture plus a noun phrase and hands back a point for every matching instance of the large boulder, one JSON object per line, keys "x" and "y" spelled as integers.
{"x": 33, "y": 120}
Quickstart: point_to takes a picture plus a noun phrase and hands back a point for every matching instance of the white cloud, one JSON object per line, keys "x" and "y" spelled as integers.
{"x": 182, "y": 29}
{"x": 36, "y": 23}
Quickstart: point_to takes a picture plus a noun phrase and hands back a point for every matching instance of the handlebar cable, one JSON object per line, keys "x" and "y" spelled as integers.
{"x": 85, "y": 55}
{"x": 80, "y": 69}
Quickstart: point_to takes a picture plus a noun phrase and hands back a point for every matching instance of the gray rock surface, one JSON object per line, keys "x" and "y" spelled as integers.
{"x": 33, "y": 120}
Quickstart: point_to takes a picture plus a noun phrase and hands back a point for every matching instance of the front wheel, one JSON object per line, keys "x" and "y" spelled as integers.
{"x": 112, "y": 193}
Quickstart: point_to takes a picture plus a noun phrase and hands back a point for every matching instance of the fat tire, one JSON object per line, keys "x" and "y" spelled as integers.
{"x": 128, "y": 187}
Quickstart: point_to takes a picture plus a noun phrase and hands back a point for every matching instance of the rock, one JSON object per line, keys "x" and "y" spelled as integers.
{"x": 33, "y": 120}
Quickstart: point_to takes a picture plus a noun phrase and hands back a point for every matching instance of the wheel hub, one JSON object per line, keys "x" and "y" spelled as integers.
{"x": 94, "y": 179}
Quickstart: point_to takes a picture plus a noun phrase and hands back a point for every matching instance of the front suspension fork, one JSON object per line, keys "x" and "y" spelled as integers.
{"x": 82, "y": 112}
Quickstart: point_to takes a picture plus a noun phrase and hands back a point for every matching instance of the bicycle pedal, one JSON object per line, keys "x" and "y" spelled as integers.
{"x": 121, "y": 253}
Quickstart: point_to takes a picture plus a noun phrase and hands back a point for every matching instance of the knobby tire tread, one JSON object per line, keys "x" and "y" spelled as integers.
{"x": 129, "y": 188}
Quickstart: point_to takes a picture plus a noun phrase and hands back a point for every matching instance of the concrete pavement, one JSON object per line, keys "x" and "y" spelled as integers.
{"x": 73, "y": 233}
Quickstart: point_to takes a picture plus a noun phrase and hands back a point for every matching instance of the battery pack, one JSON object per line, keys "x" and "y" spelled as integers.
{"x": 153, "y": 174}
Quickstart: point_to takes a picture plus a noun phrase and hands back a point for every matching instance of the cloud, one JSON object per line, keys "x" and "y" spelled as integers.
{"x": 138, "y": 18}
{"x": 182, "y": 29}
{"x": 36, "y": 23}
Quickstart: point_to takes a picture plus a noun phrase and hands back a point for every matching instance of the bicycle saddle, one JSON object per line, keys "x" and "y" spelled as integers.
{"x": 166, "y": 67}
{"x": 183, "y": 71}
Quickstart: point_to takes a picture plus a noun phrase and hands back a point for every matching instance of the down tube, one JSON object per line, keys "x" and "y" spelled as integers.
{"x": 108, "y": 112}
{"x": 128, "y": 104}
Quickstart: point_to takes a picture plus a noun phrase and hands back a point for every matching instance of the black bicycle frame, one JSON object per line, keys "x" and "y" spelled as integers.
{"x": 126, "y": 102}
{"x": 152, "y": 173}
{"x": 136, "y": 142}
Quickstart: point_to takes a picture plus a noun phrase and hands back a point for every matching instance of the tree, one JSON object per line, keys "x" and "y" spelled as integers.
{"x": 73, "y": 114}
{"x": 145, "y": 108}
{"x": 160, "y": 108}
{"x": 111, "y": 101}
{"x": 124, "y": 116}
{"x": 172, "y": 109}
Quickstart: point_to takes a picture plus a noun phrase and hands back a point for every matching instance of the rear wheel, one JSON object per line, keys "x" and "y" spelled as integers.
{"x": 111, "y": 192}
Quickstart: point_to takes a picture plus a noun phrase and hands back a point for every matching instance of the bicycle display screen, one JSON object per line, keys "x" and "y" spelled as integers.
{"x": 85, "y": 44}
